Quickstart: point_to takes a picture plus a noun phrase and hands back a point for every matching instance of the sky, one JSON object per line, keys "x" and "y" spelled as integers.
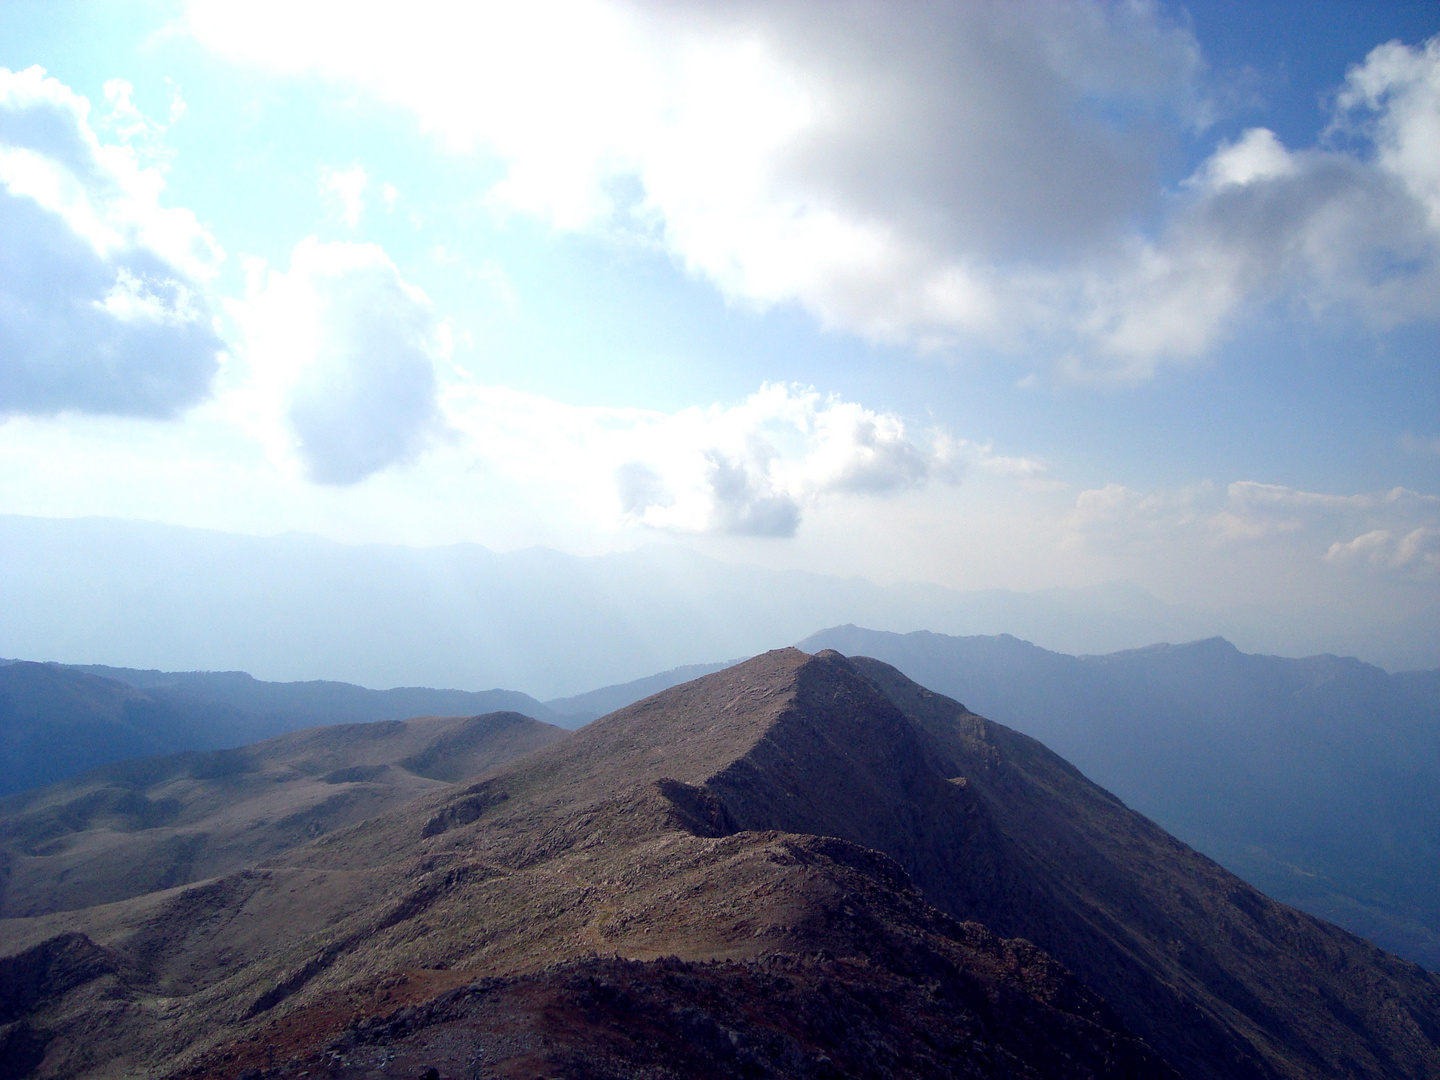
{"x": 1023, "y": 296}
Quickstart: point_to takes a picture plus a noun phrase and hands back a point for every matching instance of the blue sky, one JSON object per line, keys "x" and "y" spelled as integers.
{"x": 1021, "y": 295}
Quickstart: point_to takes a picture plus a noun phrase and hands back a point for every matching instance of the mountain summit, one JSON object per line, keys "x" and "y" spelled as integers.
{"x": 801, "y": 866}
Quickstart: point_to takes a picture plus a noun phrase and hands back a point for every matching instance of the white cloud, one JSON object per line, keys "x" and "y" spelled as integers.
{"x": 871, "y": 168}
{"x": 1394, "y": 97}
{"x": 1324, "y": 230}
{"x": 104, "y": 302}
{"x": 342, "y": 357}
{"x": 344, "y": 190}
{"x": 966, "y": 172}
{"x": 1418, "y": 549}
{"x": 1396, "y": 531}
{"x": 752, "y": 468}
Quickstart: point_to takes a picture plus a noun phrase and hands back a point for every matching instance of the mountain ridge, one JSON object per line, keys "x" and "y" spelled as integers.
{"x": 659, "y": 836}
{"x": 1313, "y": 778}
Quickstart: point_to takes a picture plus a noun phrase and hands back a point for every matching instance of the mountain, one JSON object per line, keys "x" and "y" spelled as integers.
{"x": 1316, "y": 779}
{"x": 801, "y": 866}
{"x": 291, "y": 705}
{"x": 58, "y": 721}
{"x": 141, "y": 826}
{"x": 298, "y": 607}
{"x": 582, "y": 708}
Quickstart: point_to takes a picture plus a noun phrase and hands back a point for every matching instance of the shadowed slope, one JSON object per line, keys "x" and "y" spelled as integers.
{"x": 56, "y": 722}
{"x": 1205, "y": 967}
{"x": 1315, "y": 779}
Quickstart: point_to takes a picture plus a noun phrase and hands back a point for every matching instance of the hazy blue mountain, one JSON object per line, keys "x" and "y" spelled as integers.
{"x": 57, "y": 721}
{"x": 1317, "y": 779}
{"x": 310, "y": 704}
{"x": 298, "y": 607}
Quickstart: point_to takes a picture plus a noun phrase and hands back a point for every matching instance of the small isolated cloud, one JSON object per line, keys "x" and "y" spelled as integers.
{"x": 344, "y": 192}
{"x": 1420, "y": 444}
{"x": 104, "y": 303}
{"x": 343, "y": 353}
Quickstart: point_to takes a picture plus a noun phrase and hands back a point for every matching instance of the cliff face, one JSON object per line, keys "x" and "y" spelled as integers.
{"x": 781, "y": 869}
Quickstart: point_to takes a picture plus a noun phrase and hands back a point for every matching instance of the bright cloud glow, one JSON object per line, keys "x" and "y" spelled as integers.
{"x": 342, "y": 357}
{"x": 751, "y": 468}
{"x": 344, "y": 189}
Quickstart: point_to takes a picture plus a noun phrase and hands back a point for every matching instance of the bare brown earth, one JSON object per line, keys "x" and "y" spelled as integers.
{"x": 778, "y": 870}
{"x": 140, "y": 826}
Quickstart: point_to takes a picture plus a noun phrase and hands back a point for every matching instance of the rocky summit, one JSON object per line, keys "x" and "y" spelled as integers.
{"x": 801, "y": 866}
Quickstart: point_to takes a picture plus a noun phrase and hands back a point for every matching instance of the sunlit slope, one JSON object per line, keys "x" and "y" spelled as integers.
{"x": 156, "y": 823}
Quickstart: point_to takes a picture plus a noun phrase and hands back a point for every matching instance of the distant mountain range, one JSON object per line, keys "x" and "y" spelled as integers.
{"x": 133, "y": 594}
{"x": 801, "y": 867}
{"x": 57, "y": 721}
{"x": 1318, "y": 780}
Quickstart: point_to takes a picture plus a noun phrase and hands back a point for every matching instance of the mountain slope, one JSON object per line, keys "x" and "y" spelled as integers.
{"x": 140, "y": 826}
{"x": 738, "y": 876}
{"x": 582, "y": 708}
{"x": 56, "y": 722}
{"x": 1316, "y": 779}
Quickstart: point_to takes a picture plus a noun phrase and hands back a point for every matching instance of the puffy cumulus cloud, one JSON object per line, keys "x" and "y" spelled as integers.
{"x": 103, "y": 292}
{"x": 750, "y": 469}
{"x": 342, "y": 355}
{"x": 886, "y": 173}
{"x": 1322, "y": 230}
{"x": 965, "y": 172}
{"x": 1394, "y": 98}
{"x": 1396, "y": 531}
